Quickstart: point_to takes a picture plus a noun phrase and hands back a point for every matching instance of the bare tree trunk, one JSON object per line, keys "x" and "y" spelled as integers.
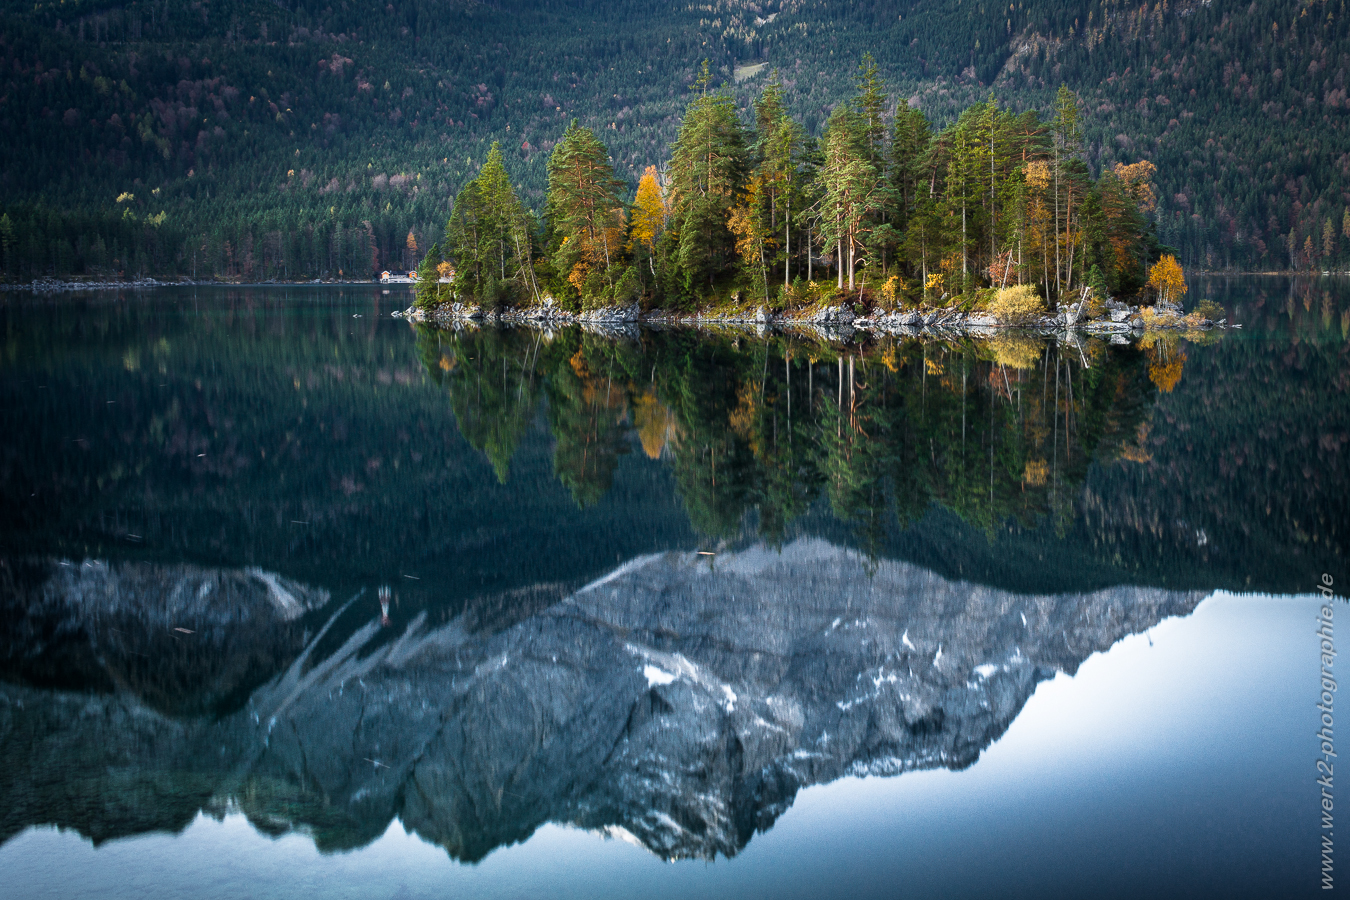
{"x": 993, "y": 201}
{"x": 923, "y": 254}
{"x": 1068, "y": 237}
{"x": 534, "y": 286}
{"x": 964, "y": 245}
{"x": 764, "y": 270}
{"x": 1056, "y": 227}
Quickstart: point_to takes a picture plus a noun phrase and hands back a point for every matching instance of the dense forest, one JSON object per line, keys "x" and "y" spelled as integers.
{"x": 298, "y": 139}
{"x": 750, "y": 215}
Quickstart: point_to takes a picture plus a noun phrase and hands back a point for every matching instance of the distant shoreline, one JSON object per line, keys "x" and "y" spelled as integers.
{"x": 56, "y": 285}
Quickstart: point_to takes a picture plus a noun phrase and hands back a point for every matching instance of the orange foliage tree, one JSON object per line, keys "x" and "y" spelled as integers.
{"x": 1167, "y": 279}
{"x": 649, "y": 216}
{"x": 584, "y": 207}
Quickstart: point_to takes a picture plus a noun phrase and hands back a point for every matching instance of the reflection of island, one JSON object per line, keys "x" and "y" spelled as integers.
{"x": 681, "y": 700}
{"x": 995, "y": 430}
{"x": 286, "y": 442}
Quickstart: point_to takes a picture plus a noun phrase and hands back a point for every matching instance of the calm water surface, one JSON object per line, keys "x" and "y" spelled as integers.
{"x": 298, "y": 599}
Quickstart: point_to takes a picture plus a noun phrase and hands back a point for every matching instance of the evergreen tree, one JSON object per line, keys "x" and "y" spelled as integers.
{"x": 585, "y": 214}
{"x": 430, "y": 291}
{"x": 852, "y": 190}
{"x": 910, "y": 139}
{"x": 488, "y": 235}
{"x": 707, "y": 173}
{"x": 777, "y": 153}
{"x": 871, "y": 102}
{"x": 1067, "y": 182}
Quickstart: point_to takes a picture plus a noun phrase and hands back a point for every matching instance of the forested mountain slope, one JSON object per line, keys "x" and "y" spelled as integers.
{"x": 297, "y": 139}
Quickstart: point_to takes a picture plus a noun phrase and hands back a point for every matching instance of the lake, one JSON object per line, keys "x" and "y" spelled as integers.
{"x": 297, "y": 598}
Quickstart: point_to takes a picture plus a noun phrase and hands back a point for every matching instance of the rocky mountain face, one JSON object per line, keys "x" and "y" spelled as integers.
{"x": 681, "y": 701}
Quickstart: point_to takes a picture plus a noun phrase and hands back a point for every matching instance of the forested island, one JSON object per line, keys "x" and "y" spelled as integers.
{"x": 997, "y": 214}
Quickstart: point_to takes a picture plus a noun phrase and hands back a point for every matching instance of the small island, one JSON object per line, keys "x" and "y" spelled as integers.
{"x": 995, "y": 221}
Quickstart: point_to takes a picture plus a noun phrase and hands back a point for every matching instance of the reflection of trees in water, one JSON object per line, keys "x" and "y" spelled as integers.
{"x": 996, "y": 430}
{"x": 1310, "y": 309}
{"x": 294, "y": 438}
{"x": 587, "y": 412}
{"x": 1242, "y": 467}
{"x": 497, "y": 376}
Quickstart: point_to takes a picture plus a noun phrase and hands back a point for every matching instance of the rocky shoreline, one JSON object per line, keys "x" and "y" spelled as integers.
{"x": 1119, "y": 321}
{"x": 55, "y": 286}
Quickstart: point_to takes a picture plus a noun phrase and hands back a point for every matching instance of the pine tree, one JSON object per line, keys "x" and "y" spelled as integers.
{"x": 965, "y": 166}
{"x": 430, "y": 291}
{"x": 585, "y": 213}
{"x": 778, "y": 148}
{"x": 707, "y": 173}
{"x": 852, "y": 190}
{"x": 995, "y": 130}
{"x": 911, "y": 136}
{"x": 923, "y": 241}
{"x": 1068, "y": 141}
{"x": 872, "y": 102}
{"x": 488, "y": 235}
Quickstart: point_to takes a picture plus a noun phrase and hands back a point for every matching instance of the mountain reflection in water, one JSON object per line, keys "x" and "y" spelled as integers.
{"x": 681, "y": 700}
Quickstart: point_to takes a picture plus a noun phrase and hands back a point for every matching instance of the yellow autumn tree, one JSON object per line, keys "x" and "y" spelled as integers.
{"x": 1040, "y": 226}
{"x": 649, "y": 215}
{"x": 1165, "y": 371}
{"x": 1138, "y": 452}
{"x": 410, "y": 257}
{"x": 655, "y": 423}
{"x": 1167, "y": 279}
{"x": 745, "y": 222}
{"x": 1137, "y": 178}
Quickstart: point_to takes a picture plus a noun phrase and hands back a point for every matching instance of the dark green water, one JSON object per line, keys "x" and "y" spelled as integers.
{"x": 197, "y": 481}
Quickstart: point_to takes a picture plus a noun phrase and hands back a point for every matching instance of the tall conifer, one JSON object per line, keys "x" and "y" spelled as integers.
{"x": 584, "y": 209}
{"x": 707, "y": 172}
